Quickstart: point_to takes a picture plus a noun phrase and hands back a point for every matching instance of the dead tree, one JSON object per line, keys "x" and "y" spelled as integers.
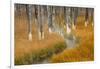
{"x": 92, "y": 16}
{"x": 86, "y": 17}
{"x": 74, "y": 13}
{"x": 29, "y": 16}
{"x": 50, "y": 21}
{"x": 40, "y": 22}
{"x": 67, "y": 11}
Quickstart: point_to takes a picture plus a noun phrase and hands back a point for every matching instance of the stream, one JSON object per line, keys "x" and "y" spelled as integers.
{"x": 70, "y": 41}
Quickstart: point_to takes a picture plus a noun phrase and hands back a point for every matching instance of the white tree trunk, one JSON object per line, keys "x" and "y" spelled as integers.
{"x": 30, "y": 36}
{"x": 86, "y": 23}
{"x": 68, "y": 29}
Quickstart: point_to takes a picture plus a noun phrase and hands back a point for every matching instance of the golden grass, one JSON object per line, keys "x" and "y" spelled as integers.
{"x": 25, "y": 50}
{"x": 24, "y": 47}
{"x": 84, "y": 50}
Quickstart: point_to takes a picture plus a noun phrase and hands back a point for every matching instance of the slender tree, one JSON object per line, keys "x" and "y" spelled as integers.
{"x": 68, "y": 19}
{"x": 86, "y": 17}
{"x": 29, "y": 15}
{"x": 40, "y": 22}
{"x": 50, "y": 21}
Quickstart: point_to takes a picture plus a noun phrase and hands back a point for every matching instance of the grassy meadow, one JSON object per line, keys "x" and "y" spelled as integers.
{"x": 52, "y": 49}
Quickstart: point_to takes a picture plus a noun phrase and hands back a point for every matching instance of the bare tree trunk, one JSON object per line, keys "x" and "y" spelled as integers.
{"x": 29, "y": 15}
{"x": 40, "y": 22}
{"x": 68, "y": 19}
{"x": 74, "y": 17}
{"x": 50, "y": 25}
{"x": 86, "y": 17}
{"x": 92, "y": 16}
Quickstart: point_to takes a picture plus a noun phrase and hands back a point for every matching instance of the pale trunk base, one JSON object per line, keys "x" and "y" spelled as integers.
{"x": 68, "y": 29}
{"x": 41, "y": 35}
{"x": 73, "y": 27}
{"x": 92, "y": 24}
{"x": 50, "y": 31}
{"x": 86, "y": 23}
{"x": 30, "y": 36}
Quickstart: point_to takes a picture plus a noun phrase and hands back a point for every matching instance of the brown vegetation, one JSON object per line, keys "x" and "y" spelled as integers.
{"x": 84, "y": 50}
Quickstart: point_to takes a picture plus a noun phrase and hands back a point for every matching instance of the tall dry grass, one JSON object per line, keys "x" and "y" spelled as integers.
{"x": 84, "y": 51}
{"x": 29, "y": 52}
